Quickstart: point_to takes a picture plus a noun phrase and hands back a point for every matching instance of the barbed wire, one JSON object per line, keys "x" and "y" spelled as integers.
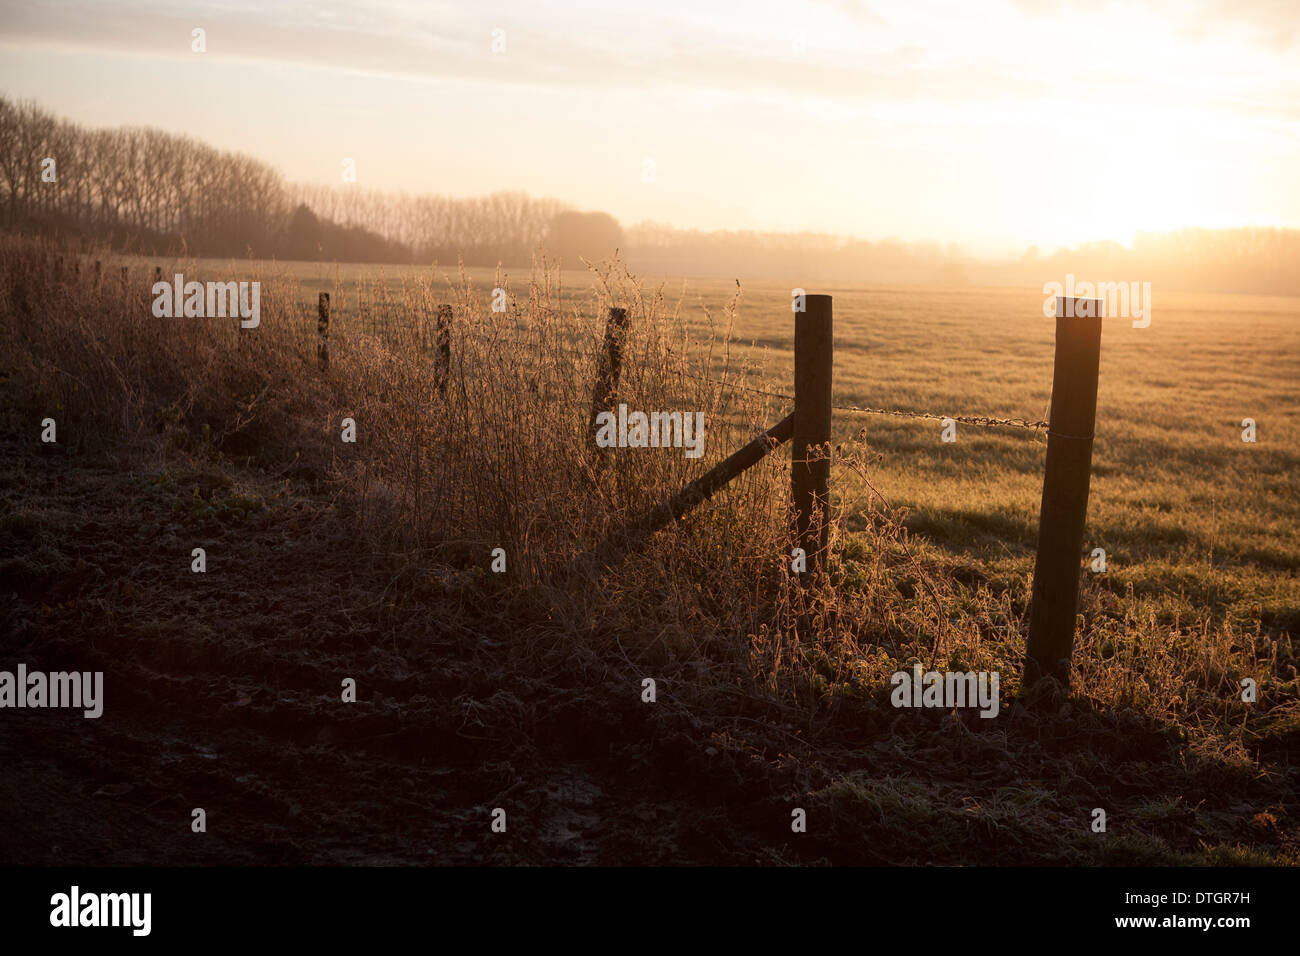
{"x": 980, "y": 421}
{"x": 983, "y": 421}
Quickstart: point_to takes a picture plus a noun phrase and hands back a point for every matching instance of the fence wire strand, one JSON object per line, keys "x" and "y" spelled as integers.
{"x": 980, "y": 421}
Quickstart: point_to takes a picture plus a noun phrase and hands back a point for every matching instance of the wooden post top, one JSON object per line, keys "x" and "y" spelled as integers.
{"x": 1074, "y": 307}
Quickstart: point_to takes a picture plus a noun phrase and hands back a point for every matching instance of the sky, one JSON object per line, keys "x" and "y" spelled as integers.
{"x": 995, "y": 125}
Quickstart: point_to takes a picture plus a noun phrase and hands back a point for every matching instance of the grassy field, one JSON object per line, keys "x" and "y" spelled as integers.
{"x": 1195, "y": 522}
{"x": 373, "y": 559}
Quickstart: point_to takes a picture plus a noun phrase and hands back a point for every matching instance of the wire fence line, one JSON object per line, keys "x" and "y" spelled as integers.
{"x": 980, "y": 421}
{"x": 983, "y": 421}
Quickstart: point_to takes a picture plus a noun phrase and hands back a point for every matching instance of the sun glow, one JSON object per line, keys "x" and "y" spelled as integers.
{"x": 1017, "y": 123}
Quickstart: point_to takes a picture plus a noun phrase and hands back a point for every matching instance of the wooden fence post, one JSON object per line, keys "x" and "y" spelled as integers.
{"x": 810, "y": 480}
{"x": 157, "y": 273}
{"x": 607, "y": 371}
{"x": 97, "y": 274}
{"x": 323, "y": 331}
{"x": 126, "y": 278}
{"x": 1055, "y": 600}
{"x": 444, "y": 348}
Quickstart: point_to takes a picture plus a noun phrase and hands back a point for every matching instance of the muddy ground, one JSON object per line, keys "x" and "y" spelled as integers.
{"x": 222, "y": 691}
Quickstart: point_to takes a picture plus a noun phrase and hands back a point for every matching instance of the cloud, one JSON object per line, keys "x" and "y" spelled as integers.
{"x": 831, "y": 50}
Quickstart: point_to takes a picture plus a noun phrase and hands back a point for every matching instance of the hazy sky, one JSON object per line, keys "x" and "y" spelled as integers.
{"x": 993, "y": 124}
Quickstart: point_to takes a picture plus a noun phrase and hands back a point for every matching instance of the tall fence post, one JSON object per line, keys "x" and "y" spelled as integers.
{"x": 323, "y": 331}
{"x": 1055, "y": 598}
{"x": 607, "y": 370}
{"x": 126, "y": 278}
{"x": 157, "y": 274}
{"x": 444, "y": 348}
{"x": 810, "y": 480}
{"x": 98, "y": 272}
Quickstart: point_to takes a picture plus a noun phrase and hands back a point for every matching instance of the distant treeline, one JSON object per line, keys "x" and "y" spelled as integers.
{"x": 663, "y": 250}
{"x": 142, "y": 190}
{"x": 1249, "y": 259}
{"x": 146, "y": 191}
{"x": 1257, "y": 260}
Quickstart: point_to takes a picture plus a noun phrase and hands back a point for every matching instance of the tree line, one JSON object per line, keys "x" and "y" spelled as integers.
{"x": 135, "y": 187}
{"x": 147, "y": 191}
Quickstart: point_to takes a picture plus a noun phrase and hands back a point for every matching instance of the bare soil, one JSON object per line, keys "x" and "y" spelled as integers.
{"x": 223, "y": 691}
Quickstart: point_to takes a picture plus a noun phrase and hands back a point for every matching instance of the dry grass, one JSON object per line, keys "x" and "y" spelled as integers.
{"x": 434, "y": 483}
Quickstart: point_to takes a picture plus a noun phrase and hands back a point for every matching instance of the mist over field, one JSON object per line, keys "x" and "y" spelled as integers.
{"x": 143, "y": 190}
